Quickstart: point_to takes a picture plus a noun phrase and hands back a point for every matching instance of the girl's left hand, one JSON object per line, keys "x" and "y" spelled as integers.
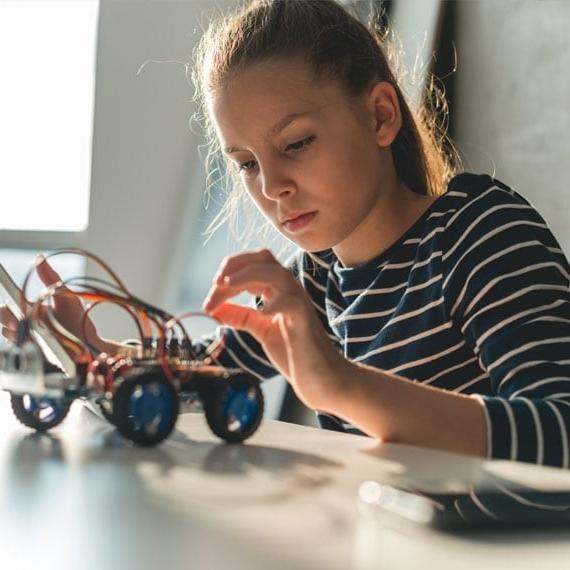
{"x": 287, "y": 326}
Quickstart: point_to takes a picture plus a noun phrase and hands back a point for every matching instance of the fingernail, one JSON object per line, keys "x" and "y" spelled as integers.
{"x": 40, "y": 258}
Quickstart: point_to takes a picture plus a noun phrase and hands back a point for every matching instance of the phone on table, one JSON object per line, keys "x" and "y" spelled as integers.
{"x": 10, "y": 294}
{"x": 495, "y": 504}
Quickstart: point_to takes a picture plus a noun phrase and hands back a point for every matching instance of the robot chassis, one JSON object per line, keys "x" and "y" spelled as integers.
{"x": 139, "y": 393}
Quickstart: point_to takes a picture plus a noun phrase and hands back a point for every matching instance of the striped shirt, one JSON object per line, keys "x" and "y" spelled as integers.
{"x": 473, "y": 298}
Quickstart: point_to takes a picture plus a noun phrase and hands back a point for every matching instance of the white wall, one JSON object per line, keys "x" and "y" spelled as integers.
{"x": 512, "y": 101}
{"x": 145, "y": 163}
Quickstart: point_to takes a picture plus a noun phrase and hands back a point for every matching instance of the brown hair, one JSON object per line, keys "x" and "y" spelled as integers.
{"x": 337, "y": 45}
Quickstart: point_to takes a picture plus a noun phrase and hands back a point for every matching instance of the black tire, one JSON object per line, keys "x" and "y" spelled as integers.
{"x": 234, "y": 408}
{"x": 39, "y": 413}
{"x": 145, "y": 409}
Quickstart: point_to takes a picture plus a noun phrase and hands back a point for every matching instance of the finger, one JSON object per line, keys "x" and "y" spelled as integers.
{"x": 264, "y": 329}
{"x": 7, "y": 318}
{"x": 9, "y": 334}
{"x": 243, "y": 318}
{"x": 234, "y": 263}
{"x": 263, "y": 279}
{"x": 64, "y": 299}
{"x": 292, "y": 309}
{"x": 268, "y": 273}
{"x": 221, "y": 293}
{"x": 46, "y": 272}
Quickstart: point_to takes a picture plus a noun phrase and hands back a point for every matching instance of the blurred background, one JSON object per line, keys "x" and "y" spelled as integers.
{"x": 98, "y": 150}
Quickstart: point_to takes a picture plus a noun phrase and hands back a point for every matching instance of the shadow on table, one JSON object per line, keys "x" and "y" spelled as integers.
{"x": 96, "y": 507}
{"x": 90, "y": 441}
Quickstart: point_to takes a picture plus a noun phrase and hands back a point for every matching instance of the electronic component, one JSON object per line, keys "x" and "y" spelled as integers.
{"x": 138, "y": 392}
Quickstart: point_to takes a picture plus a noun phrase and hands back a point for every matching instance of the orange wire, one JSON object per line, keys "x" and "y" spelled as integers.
{"x": 77, "y": 251}
{"x": 145, "y": 329}
{"x": 96, "y": 297}
{"x": 96, "y": 303}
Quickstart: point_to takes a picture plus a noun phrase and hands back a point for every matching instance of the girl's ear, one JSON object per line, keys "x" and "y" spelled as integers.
{"x": 385, "y": 109}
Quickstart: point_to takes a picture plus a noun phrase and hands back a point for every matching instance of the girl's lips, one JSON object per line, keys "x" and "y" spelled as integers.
{"x": 299, "y": 222}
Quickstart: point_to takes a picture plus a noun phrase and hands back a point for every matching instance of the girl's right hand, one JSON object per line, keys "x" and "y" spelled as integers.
{"x": 68, "y": 310}
{"x": 286, "y": 325}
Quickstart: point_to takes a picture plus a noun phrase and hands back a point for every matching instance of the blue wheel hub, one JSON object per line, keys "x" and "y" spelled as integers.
{"x": 240, "y": 407}
{"x": 151, "y": 407}
{"x": 44, "y": 409}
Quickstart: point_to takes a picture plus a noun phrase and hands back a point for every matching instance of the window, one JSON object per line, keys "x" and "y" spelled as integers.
{"x": 47, "y": 58}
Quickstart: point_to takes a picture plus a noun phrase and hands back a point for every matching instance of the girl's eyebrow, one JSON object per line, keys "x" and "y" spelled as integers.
{"x": 276, "y": 128}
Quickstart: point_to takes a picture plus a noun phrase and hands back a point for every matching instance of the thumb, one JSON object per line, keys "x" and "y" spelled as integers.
{"x": 45, "y": 271}
{"x": 61, "y": 298}
{"x": 242, "y": 318}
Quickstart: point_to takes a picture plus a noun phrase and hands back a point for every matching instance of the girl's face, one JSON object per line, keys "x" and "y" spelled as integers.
{"x": 305, "y": 152}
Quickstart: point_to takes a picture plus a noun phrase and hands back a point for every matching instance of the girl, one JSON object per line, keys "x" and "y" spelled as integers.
{"x": 424, "y": 306}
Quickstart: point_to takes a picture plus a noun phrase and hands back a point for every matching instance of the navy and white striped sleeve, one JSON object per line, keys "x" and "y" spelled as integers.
{"x": 506, "y": 286}
{"x": 241, "y": 350}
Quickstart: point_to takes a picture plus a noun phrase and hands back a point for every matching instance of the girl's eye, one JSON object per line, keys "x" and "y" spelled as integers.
{"x": 300, "y": 145}
{"x": 245, "y": 166}
{"x": 297, "y": 146}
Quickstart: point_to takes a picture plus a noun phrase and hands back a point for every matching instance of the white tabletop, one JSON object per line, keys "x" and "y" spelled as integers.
{"x": 83, "y": 498}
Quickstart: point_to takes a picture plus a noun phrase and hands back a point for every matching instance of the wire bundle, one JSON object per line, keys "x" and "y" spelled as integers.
{"x": 162, "y": 335}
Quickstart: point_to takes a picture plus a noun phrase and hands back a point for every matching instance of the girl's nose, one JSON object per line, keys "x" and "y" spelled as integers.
{"x": 276, "y": 185}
